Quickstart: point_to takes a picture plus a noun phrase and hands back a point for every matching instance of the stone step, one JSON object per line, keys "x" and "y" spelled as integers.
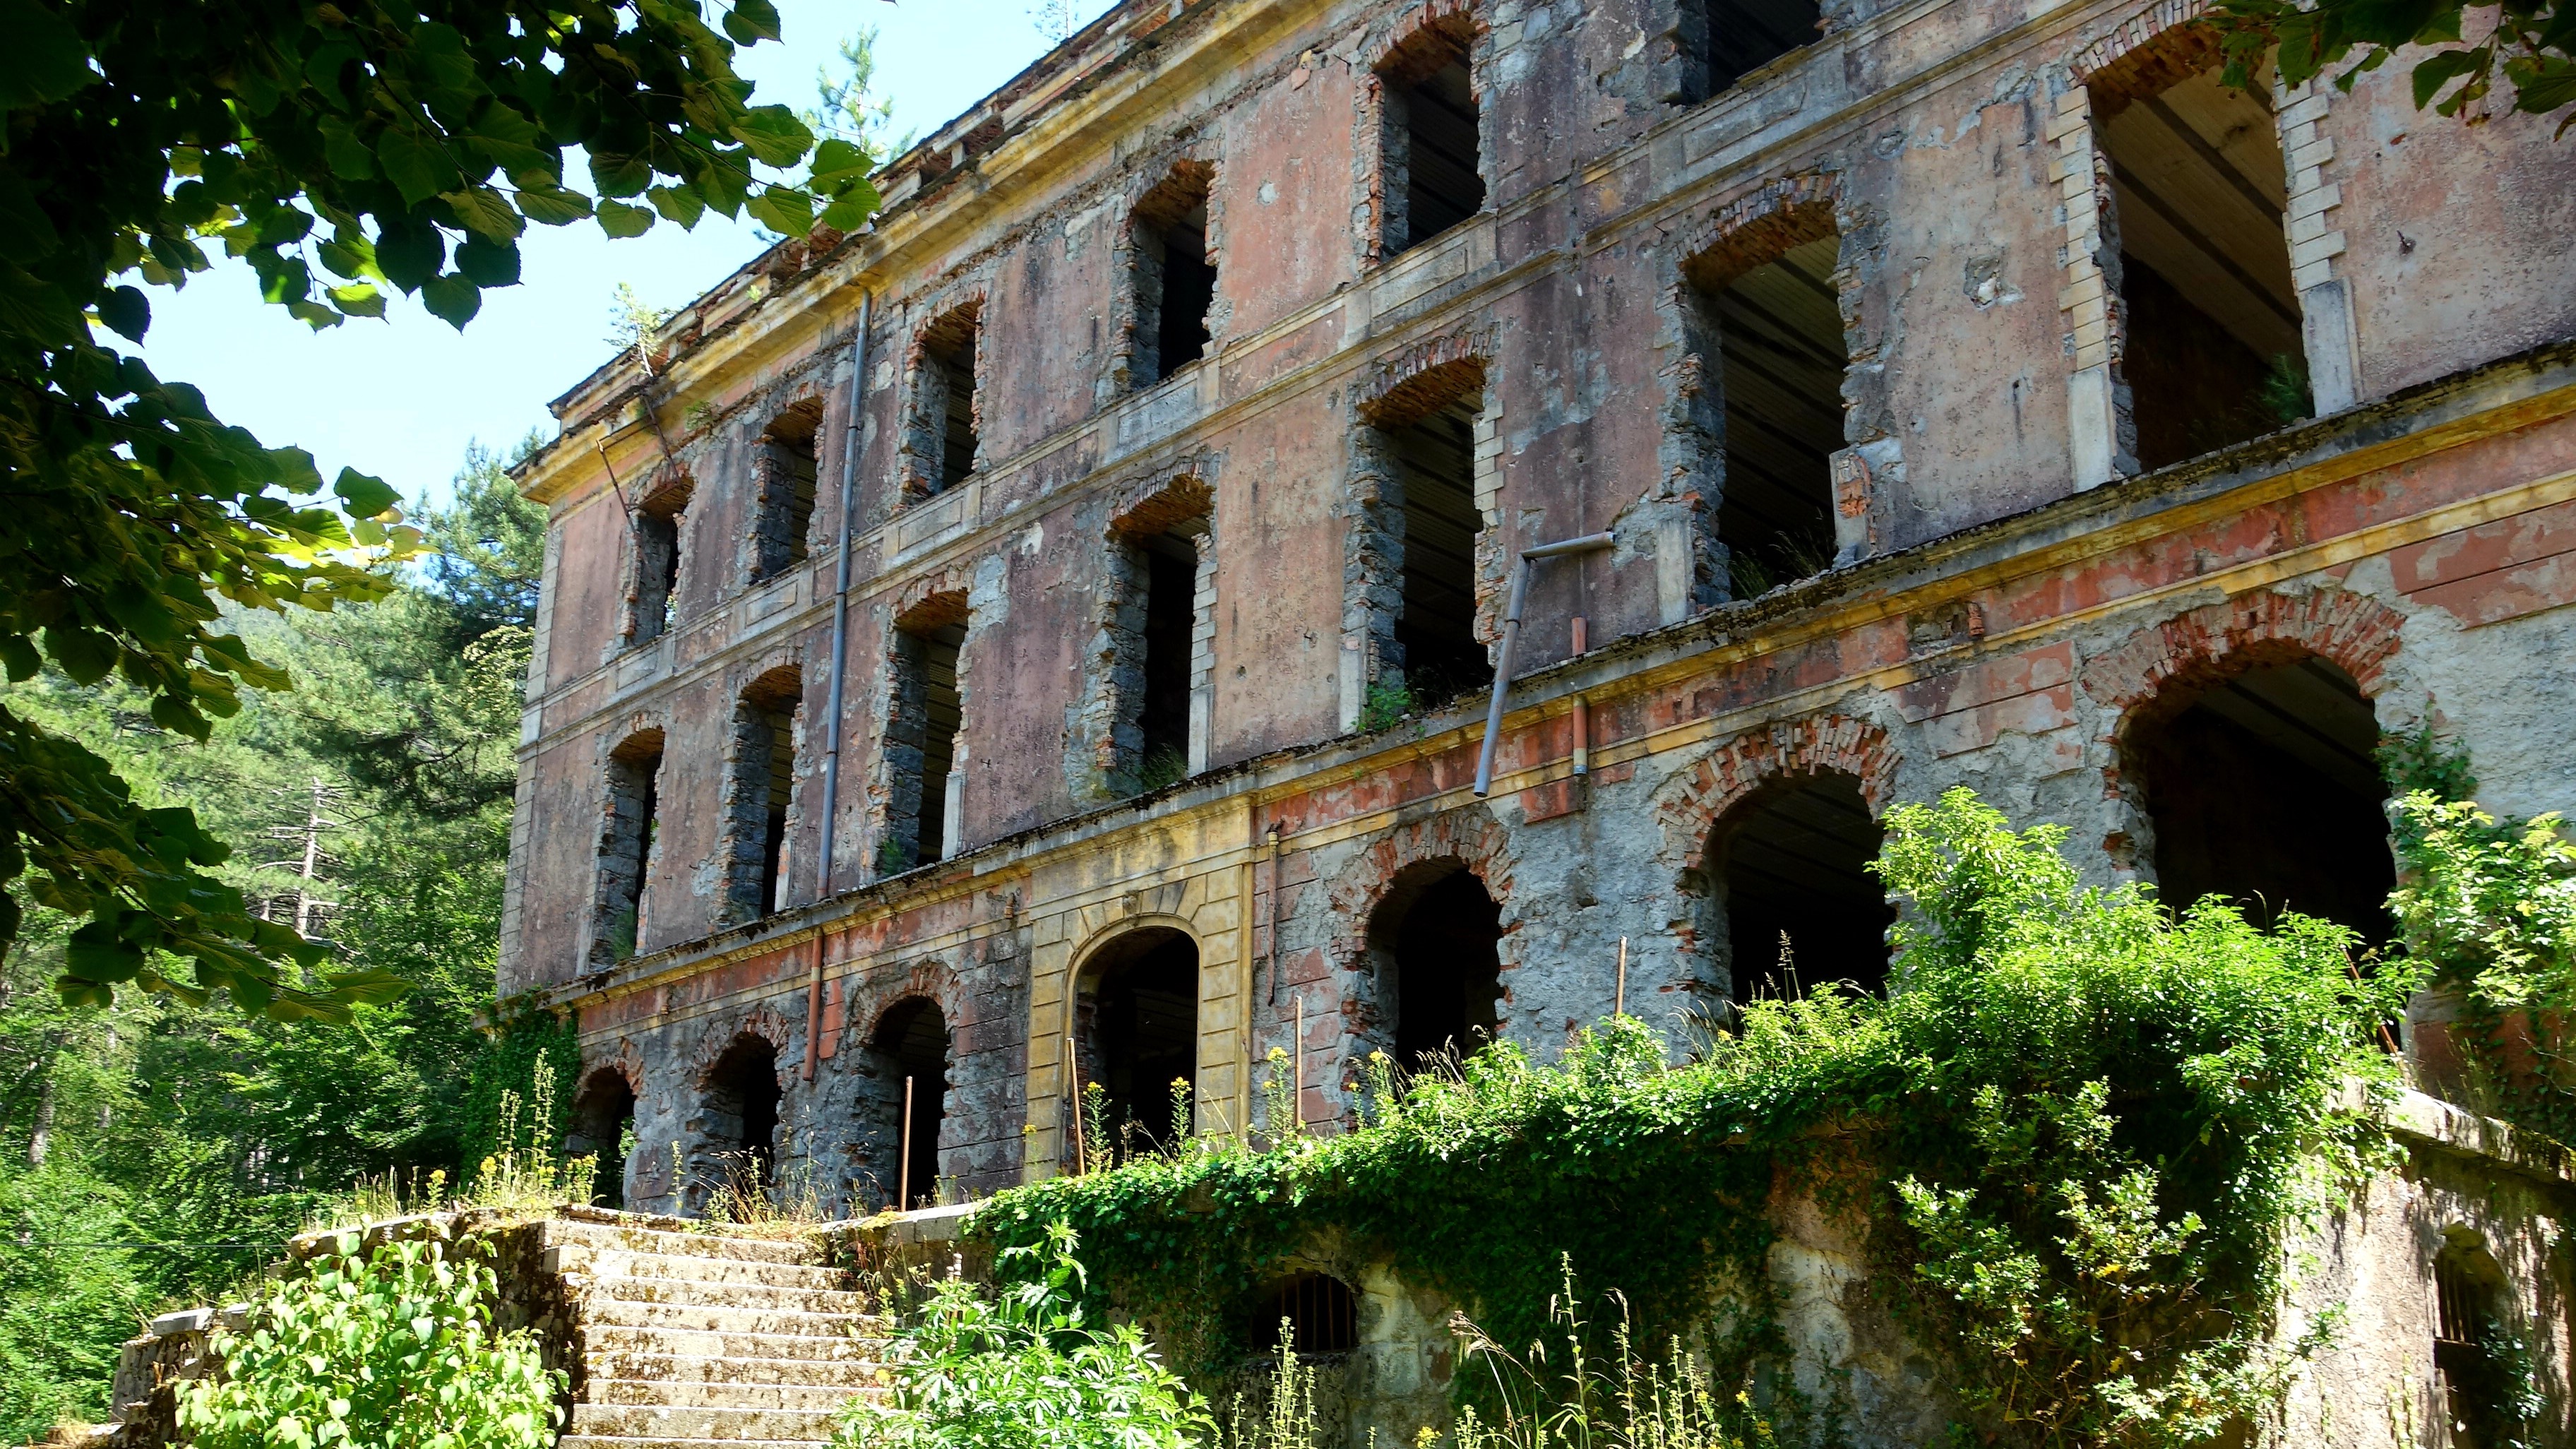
{"x": 602, "y": 1340}
{"x": 727, "y": 1319}
{"x": 662, "y": 1369}
{"x": 677, "y": 1242}
{"x": 652, "y": 1421}
{"x": 607, "y": 1441}
{"x": 619, "y": 1263}
{"x": 833, "y": 1301}
{"x": 720, "y": 1390}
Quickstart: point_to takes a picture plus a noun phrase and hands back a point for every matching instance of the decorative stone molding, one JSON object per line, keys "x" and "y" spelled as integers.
{"x": 1690, "y": 804}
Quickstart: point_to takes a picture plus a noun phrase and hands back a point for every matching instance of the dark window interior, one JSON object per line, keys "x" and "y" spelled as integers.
{"x": 1778, "y": 331}
{"x": 626, "y": 847}
{"x": 1720, "y": 41}
{"x": 2213, "y": 353}
{"x": 787, "y": 492}
{"x": 1790, "y": 866}
{"x": 1187, "y": 289}
{"x": 1442, "y": 186}
{"x": 1437, "y": 627}
{"x": 742, "y": 1111}
{"x": 951, "y": 361}
{"x": 915, "y": 1038}
{"x": 1319, "y": 1310}
{"x": 2263, "y": 789}
{"x": 1439, "y": 930}
{"x": 1171, "y": 612}
{"x": 781, "y": 783}
{"x": 657, "y": 567}
{"x": 1141, "y": 1036}
{"x": 603, "y": 1113}
{"x": 942, "y": 716}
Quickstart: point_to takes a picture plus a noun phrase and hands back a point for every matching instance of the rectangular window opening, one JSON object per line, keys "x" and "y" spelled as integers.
{"x": 1438, "y": 152}
{"x": 1171, "y": 618}
{"x": 1778, "y": 334}
{"x": 782, "y": 788}
{"x": 626, "y": 847}
{"x": 1185, "y": 287}
{"x": 657, "y": 570}
{"x": 1437, "y": 627}
{"x": 2213, "y": 352}
{"x": 787, "y": 497}
{"x": 948, "y": 401}
{"x": 1723, "y": 41}
{"x": 927, "y": 689}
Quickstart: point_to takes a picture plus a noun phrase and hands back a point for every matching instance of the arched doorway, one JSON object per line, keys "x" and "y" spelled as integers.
{"x": 2263, "y": 788}
{"x": 1136, "y": 1032}
{"x": 909, "y": 1048}
{"x": 741, "y": 1133}
{"x": 603, "y": 1118}
{"x": 1435, "y": 939}
{"x": 1794, "y": 900}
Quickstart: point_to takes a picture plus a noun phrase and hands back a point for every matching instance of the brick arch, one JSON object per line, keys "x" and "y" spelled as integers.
{"x": 1172, "y": 499}
{"x": 926, "y": 590}
{"x": 2162, "y": 38}
{"x": 1456, "y": 20}
{"x": 1760, "y": 225}
{"x": 640, "y": 722}
{"x": 627, "y": 1062}
{"x": 2157, "y": 670}
{"x": 1415, "y": 380}
{"x": 930, "y": 979}
{"x": 1471, "y": 836}
{"x": 763, "y": 1021}
{"x": 1689, "y": 805}
{"x": 770, "y": 661}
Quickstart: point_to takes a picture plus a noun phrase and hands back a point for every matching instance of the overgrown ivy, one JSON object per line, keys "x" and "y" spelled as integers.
{"x": 2078, "y": 1135}
{"x": 526, "y": 1039}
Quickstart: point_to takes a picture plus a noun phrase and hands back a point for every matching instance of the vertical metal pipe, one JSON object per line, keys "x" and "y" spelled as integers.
{"x": 839, "y": 676}
{"x": 1511, "y": 636}
{"x": 1582, "y": 709}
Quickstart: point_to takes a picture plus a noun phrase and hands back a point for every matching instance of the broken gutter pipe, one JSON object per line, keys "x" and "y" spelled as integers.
{"x": 840, "y": 678}
{"x": 1589, "y": 543}
{"x": 1582, "y": 709}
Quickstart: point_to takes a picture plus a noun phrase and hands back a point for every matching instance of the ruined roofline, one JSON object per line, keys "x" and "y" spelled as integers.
{"x": 903, "y": 181}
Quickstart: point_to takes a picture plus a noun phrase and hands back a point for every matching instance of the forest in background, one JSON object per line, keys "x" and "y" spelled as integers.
{"x": 154, "y": 1154}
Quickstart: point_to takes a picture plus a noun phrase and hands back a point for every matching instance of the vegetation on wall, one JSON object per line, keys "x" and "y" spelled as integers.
{"x": 2075, "y": 1137}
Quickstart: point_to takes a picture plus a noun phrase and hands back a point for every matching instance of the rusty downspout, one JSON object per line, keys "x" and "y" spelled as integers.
{"x": 840, "y": 675}
{"x": 1511, "y": 635}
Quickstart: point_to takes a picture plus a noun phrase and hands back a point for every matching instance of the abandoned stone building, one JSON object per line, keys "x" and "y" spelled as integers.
{"x": 1045, "y": 638}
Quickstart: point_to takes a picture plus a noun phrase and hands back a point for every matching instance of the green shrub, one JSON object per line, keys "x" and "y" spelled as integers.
{"x": 396, "y": 1350}
{"x": 1023, "y": 1369}
{"x": 2079, "y": 1132}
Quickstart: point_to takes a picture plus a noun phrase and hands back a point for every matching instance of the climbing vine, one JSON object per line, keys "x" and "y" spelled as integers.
{"x": 2078, "y": 1137}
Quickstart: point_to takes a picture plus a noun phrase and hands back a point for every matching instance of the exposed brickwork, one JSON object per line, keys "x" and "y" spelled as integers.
{"x": 1692, "y": 801}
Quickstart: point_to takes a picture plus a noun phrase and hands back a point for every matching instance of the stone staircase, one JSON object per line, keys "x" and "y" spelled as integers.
{"x": 690, "y": 1340}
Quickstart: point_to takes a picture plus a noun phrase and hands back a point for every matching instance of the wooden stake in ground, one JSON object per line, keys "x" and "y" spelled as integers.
{"x": 903, "y": 1143}
{"x": 1619, "y": 1006}
{"x": 1297, "y": 1084}
{"x": 1073, "y": 1075}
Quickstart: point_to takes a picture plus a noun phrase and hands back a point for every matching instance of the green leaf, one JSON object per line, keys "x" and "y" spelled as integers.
{"x": 2440, "y": 69}
{"x": 784, "y": 210}
{"x": 835, "y": 159}
{"x": 23, "y": 662}
{"x": 511, "y": 140}
{"x": 362, "y": 495}
{"x": 85, "y": 654}
{"x": 485, "y": 212}
{"x": 125, "y": 311}
{"x": 750, "y": 21}
{"x": 367, "y": 988}
{"x": 44, "y": 59}
{"x": 451, "y": 299}
{"x": 37, "y": 309}
{"x": 775, "y": 135}
{"x": 619, "y": 175}
{"x": 552, "y": 205}
{"x": 410, "y": 253}
{"x": 359, "y": 299}
{"x": 851, "y": 209}
{"x": 488, "y": 263}
{"x": 96, "y": 953}
{"x": 447, "y": 68}
{"x": 415, "y": 164}
{"x": 348, "y": 154}
{"x": 678, "y": 204}
{"x": 621, "y": 220}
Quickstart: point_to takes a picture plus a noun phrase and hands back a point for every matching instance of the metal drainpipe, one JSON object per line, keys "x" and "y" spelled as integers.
{"x": 1511, "y": 635}
{"x": 840, "y": 672}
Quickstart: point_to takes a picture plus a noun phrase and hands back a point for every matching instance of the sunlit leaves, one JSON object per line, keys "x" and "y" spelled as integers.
{"x": 2529, "y": 48}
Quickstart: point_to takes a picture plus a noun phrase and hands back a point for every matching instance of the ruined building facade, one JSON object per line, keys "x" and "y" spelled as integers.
{"x": 1972, "y": 393}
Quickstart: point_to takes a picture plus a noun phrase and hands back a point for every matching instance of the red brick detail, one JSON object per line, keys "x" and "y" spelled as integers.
{"x": 1421, "y": 38}
{"x": 627, "y": 1062}
{"x": 1426, "y": 376}
{"x": 1827, "y": 743}
{"x": 1760, "y": 226}
{"x": 934, "y": 598}
{"x": 1470, "y": 836}
{"x": 2356, "y": 633}
{"x": 1147, "y": 509}
{"x": 2146, "y": 53}
{"x": 763, "y": 1021}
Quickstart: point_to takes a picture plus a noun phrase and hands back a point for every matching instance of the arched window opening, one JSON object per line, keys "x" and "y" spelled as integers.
{"x": 628, "y": 820}
{"x": 908, "y": 1052}
{"x": 1317, "y": 1308}
{"x": 1174, "y": 281}
{"x": 1719, "y": 42}
{"x": 603, "y": 1127}
{"x": 2212, "y": 346}
{"x": 2263, "y": 789}
{"x": 1789, "y": 864}
{"x": 1158, "y": 633}
{"x": 1436, "y": 940}
{"x": 783, "y": 515}
{"x": 1136, "y": 1032}
{"x": 2473, "y": 1348}
{"x": 763, "y": 787}
{"x": 1430, "y": 151}
{"x": 1768, "y": 416}
{"x": 742, "y": 1117}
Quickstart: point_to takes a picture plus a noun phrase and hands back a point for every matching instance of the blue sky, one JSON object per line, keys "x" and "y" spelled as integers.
{"x": 401, "y": 398}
